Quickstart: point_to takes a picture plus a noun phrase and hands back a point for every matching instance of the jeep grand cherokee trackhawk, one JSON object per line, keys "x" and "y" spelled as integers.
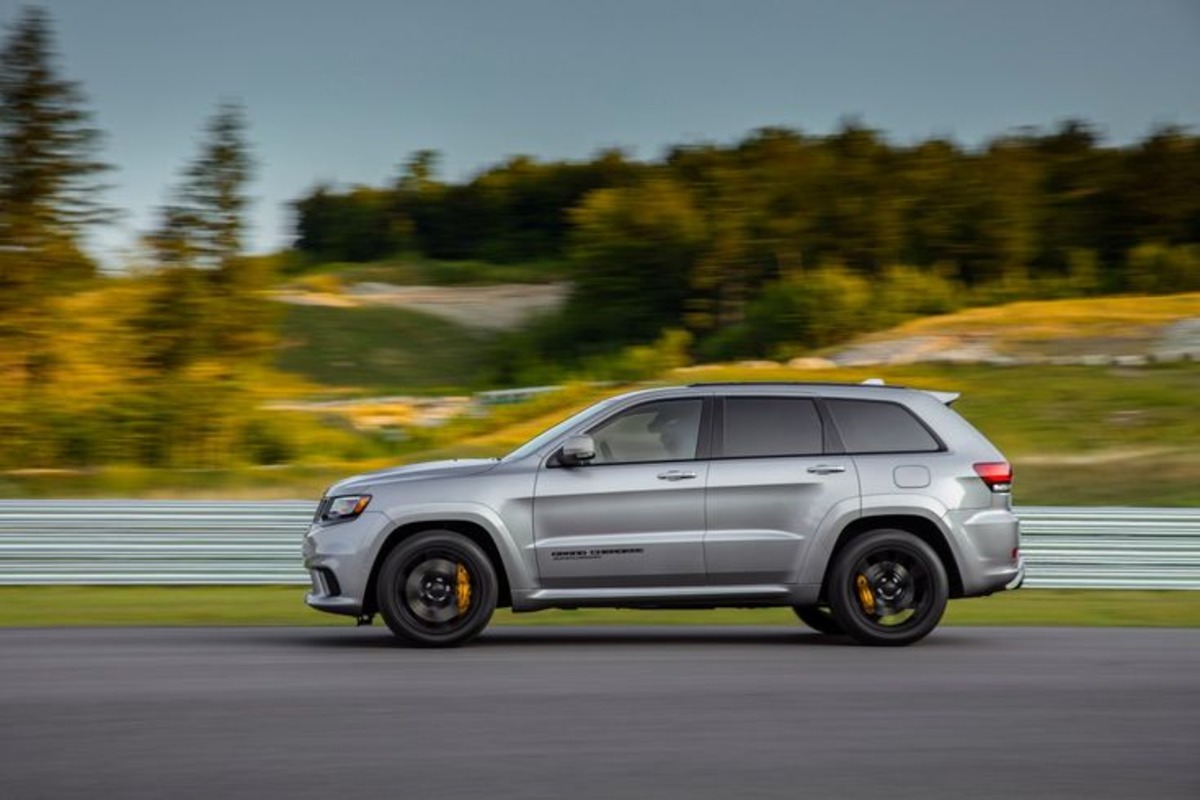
{"x": 863, "y": 507}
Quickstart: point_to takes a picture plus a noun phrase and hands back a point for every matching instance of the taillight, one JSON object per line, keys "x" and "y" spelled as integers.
{"x": 997, "y": 475}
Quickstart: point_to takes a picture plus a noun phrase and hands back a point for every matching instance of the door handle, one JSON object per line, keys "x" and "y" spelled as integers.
{"x": 676, "y": 475}
{"x": 826, "y": 469}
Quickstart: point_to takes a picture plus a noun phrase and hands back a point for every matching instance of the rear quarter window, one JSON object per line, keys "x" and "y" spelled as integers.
{"x": 872, "y": 426}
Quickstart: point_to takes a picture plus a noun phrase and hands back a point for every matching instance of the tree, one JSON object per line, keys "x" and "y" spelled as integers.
{"x": 48, "y": 167}
{"x": 203, "y": 228}
{"x": 633, "y": 252}
{"x": 49, "y": 192}
{"x": 362, "y": 225}
{"x": 205, "y": 223}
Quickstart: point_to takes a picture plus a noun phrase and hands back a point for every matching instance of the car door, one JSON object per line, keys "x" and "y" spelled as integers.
{"x": 634, "y": 515}
{"x": 771, "y": 484}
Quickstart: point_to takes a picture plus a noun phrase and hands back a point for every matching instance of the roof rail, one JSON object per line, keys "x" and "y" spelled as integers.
{"x": 869, "y": 382}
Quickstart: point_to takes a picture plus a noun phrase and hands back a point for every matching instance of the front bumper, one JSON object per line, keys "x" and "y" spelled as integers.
{"x": 346, "y": 606}
{"x": 339, "y": 559}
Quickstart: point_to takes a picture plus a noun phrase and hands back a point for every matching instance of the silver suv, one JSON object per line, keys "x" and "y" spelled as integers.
{"x": 863, "y": 507}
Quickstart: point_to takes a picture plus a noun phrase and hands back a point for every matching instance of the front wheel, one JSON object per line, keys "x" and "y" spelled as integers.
{"x": 437, "y": 589}
{"x": 888, "y": 587}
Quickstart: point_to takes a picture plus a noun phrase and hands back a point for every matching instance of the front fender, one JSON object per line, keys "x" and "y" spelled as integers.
{"x": 517, "y": 562}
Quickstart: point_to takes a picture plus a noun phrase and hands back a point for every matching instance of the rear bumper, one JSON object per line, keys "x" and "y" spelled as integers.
{"x": 1019, "y": 580}
{"x": 988, "y": 542}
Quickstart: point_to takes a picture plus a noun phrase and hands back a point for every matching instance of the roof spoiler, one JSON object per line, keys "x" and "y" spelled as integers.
{"x": 942, "y": 397}
{"x": 945, "y": 397}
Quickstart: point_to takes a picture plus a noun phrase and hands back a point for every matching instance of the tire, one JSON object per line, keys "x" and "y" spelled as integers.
{"x": 420, "y": 594}
{"x": 888, "y": 588}
{"x": 819, "y": 618}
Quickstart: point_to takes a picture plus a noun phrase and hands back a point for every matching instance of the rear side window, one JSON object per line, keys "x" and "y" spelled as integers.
{"x": 869, "y": 426}
{"x": 771, "y": 426}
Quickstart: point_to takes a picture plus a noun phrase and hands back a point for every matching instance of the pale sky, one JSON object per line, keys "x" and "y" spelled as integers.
{"x": 344, "y": 91}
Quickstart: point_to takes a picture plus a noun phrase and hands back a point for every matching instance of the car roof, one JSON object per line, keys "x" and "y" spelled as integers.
{"x": 877, "y": 390}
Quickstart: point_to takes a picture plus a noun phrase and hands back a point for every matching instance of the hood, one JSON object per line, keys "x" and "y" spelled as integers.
{"x": 457, "y": 467}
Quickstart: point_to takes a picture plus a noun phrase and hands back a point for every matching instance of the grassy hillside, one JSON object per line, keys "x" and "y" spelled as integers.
{"x": 1076, "y": 434}
{"x": 379, "y": 350}
{"x": 1072, "y": 318}
{"x": 1111, "y": 325}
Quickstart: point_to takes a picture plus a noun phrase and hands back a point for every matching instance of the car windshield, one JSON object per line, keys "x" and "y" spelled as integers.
{"x": 550, "y": 434}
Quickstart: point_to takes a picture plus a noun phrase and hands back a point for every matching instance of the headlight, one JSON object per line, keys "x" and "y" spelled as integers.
{"x": 344, "y": 508}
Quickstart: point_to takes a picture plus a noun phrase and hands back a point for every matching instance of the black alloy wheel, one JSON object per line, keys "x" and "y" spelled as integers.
{"x": 888, "y": 587}
{"x": 437, "y": 589}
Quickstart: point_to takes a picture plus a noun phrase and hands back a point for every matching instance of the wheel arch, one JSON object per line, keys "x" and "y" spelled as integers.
{"x": 471, "y": 530}
{"x": 923, "y": 528}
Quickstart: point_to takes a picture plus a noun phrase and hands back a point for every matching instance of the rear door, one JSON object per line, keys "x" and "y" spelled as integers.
{"x": 635, "y": 515}
{"x": 771, "y": 483}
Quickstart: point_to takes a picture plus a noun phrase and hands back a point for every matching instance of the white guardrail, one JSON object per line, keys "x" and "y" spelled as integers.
{"x": 219, "y": 542}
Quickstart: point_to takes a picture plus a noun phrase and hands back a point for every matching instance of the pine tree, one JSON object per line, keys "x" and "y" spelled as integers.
{"x": 48, "y": 167}
{"x": 203, "y": 228}
{"x": 205, "y": 223}
{"x": 49, "y": 193}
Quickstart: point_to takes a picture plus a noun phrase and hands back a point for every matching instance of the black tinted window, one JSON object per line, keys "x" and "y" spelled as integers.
{"x": 868, "y": 426}
{"x": 771, "y": 426}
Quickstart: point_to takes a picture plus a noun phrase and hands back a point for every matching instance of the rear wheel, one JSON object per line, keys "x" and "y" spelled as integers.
{"x": 437, "y": 589}
{"x": 819, "y": 618}
{"x": 888, "y": 588}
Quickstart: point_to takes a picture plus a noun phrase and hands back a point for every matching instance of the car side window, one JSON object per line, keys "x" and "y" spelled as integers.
{"x": 870, "y": 426}
{"x": 665, "y": 430}
{"x": 771, "y": 426}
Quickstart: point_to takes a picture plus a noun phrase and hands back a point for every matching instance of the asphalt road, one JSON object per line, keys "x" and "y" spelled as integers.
{"x": 580, "y": 713}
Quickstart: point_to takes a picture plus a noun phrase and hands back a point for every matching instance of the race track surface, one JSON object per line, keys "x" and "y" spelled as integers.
{"x": 579, "y": 713}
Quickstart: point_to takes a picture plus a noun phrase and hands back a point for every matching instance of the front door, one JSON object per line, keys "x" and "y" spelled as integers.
{"x": 634, "y": 516}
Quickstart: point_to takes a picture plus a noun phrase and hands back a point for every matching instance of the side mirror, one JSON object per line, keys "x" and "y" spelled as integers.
{"x": 577, "y": 450}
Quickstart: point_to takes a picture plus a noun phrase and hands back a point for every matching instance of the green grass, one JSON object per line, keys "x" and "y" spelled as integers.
{"x": 42, "y": 606}
{"x": 1044, "y": 411}
{"x": 380, "y": 350}
{"x": 1165, "y": 479}
{"x": 1086, "y": 607}
{"x": 1037, "y": 410}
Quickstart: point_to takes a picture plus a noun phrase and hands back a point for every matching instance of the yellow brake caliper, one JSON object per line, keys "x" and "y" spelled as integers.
{"x": 462, "y": 589}
{"x": 865, "y": 596}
